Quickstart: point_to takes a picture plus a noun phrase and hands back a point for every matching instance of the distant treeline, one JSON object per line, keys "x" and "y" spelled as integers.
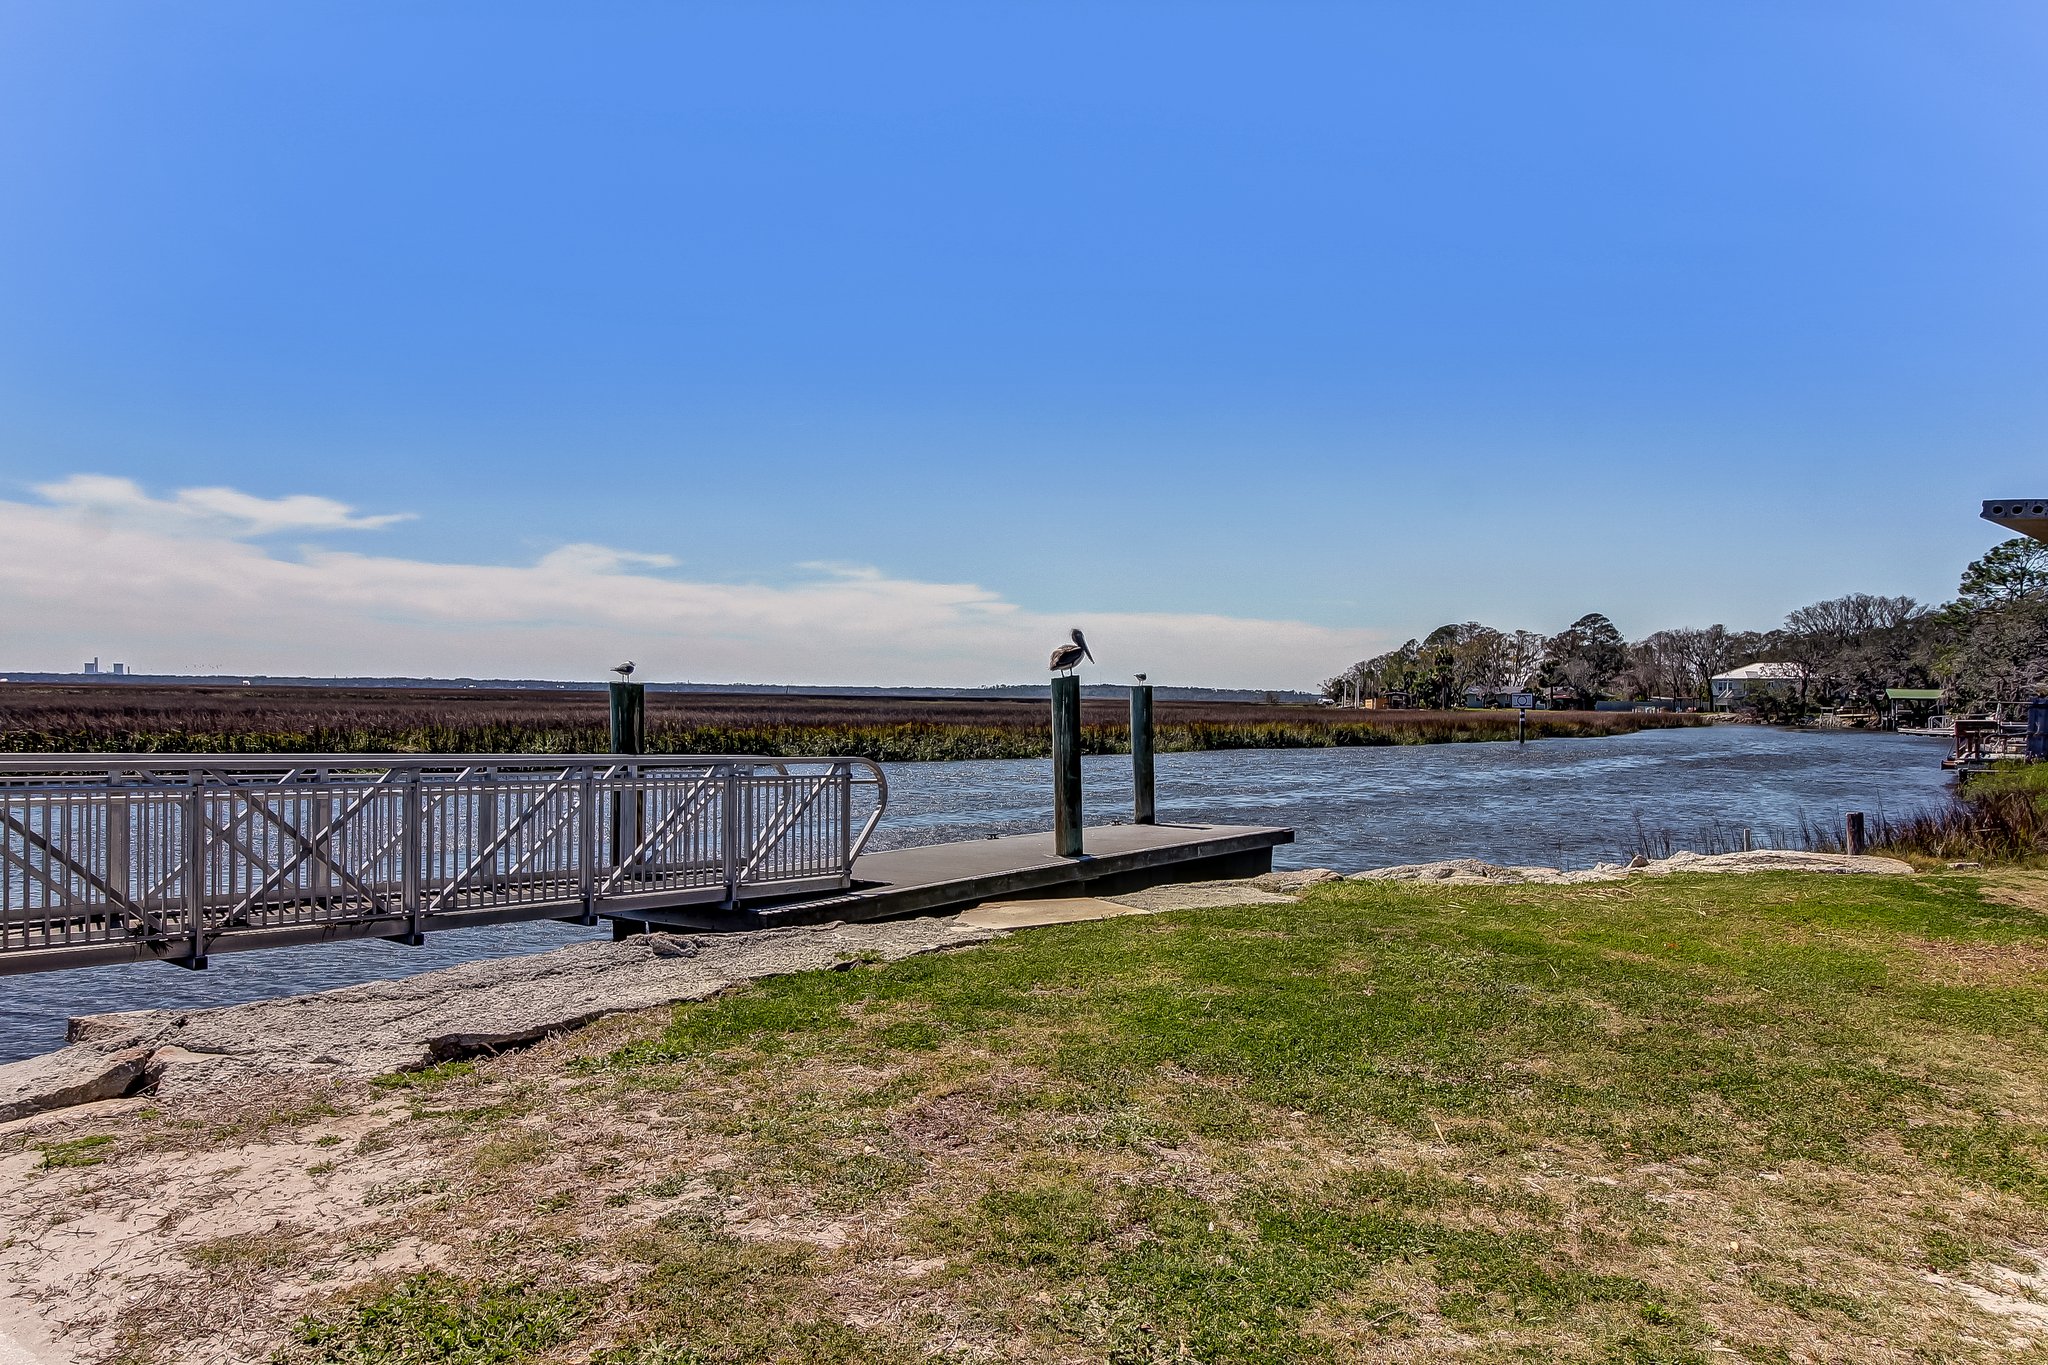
{"x": 1987, "y": 647}
{"x": 40, "y": 718}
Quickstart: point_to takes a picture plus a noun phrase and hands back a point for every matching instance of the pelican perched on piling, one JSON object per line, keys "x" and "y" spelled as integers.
{"x": 1068, "y": 656}
{"x": 624, "y": 670}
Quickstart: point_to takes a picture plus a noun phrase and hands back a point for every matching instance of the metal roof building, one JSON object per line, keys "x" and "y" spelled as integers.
{"x": 2028, "y": 516}
{"x": 1782, "y": 679}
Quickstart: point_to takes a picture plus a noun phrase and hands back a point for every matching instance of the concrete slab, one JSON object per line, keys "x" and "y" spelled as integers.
{"x": 1199, "y": 896}
{"x": 68, "y": 1076}
{"x": 1031, "y": 914}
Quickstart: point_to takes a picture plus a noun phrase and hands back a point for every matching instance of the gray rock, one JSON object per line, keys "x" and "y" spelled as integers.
{"x": 68, "y": 1076}
{"x": 1471, "y": 871}
{"x": 1460, "y": 870}
{"x": 1300, "y": 879}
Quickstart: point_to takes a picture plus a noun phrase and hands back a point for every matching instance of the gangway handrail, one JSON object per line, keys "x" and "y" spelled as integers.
{"x": 89, "y": 760}
{"x": 125, "y": 856}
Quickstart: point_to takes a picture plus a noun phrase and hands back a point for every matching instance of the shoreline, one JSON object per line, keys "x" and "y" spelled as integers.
{"x": 1564, "y": 805}
{"x": 410, "y": 1023}
{"x": 324, "y": 1176}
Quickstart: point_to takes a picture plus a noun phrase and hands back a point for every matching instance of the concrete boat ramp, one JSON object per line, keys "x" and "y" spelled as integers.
{"x": 907, "y": 881}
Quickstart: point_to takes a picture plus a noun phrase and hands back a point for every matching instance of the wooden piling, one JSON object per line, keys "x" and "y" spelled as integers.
{"x": 629, "y": 718}
{"x": 629, "y": 736}
{"x": 1066, "y": 766}
{"x": 1142, "y": 812}
{"x": 1852, "y": 833}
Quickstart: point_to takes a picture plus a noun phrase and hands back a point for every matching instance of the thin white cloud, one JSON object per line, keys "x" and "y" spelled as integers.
{"x": 602, "y": 559}
{"x": 188, "y": 596}
{"x": 211, "y": 511}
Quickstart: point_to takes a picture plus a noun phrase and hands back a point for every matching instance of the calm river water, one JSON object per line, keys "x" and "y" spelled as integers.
{"x": 1557, "y": 802}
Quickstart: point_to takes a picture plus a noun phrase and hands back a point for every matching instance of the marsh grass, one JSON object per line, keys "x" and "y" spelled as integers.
{"x": 2000, "y": 816}
{"x": 40, "y": 718}
{"x": 1678, "y": 1121}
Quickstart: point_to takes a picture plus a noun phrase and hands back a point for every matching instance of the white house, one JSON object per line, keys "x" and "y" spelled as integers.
{"x": 1780, "y": 680}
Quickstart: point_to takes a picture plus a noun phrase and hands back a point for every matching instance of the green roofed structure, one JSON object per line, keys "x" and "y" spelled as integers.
{"x": 1916, "y": 710}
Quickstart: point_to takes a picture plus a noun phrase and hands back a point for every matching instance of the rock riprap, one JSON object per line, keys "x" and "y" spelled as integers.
{"x": 1472, "y": 872}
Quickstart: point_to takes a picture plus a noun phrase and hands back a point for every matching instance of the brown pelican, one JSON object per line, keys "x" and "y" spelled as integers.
{"x": 1068, "y": 656}
{"x": 624, "y": 670}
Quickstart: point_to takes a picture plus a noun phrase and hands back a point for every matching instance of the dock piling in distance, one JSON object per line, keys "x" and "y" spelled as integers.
{"x": 1852, "y": 833}
{"x": 629, "y": 736}
{"x": 1066, "y": 766}
{"x": 1142, "y": 811}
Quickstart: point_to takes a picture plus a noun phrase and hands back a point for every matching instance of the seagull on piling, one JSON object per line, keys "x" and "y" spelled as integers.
{"x": 1139, "y": 676}
{"x": 1068, "y": 656}
{"x": 624, "y": 670}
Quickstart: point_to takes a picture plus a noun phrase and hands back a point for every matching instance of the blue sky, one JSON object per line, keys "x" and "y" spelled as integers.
{"x": 1255, "y": 335}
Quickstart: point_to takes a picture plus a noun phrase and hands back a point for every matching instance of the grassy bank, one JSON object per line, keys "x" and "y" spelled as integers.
{"x": 1773, "y": 1118}
{"x": 36, "y": 718}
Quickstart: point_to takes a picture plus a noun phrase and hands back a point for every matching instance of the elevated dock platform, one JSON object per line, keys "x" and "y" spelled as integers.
{"x": 906, "y": 881}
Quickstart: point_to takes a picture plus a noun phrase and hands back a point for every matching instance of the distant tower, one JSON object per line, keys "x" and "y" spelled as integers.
{"x": 92, "y": 665}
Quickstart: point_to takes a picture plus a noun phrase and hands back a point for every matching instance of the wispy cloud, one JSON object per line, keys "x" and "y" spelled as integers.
{"x": 213, "y": 511}
{"x": 179, "y": 592}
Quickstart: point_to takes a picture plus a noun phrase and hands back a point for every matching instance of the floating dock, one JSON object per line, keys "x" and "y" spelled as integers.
{"x": 908, "y": 881}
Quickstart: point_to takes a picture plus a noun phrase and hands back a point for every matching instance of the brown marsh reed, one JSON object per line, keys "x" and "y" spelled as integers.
{"x": 149, "y": 718}
{"x": 2000, "y": 816}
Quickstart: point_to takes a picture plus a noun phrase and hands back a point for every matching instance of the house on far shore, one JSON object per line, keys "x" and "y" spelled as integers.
{"x": 1499, "y": 698}
{"x": 1784, "y": 681}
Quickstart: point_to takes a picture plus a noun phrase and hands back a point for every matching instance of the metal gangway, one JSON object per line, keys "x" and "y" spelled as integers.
{"x": 159, "y": 857}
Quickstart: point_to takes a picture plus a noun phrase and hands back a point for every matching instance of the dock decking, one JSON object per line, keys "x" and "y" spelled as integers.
{"x": 907, "y": 881}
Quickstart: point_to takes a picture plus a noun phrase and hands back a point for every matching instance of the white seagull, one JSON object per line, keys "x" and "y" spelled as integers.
{"x": 624, "y": 670}
{"x": 1068, "y": 656}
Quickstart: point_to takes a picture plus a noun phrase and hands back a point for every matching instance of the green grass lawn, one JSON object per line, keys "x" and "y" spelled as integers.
{"x": 1766, "y": 1118}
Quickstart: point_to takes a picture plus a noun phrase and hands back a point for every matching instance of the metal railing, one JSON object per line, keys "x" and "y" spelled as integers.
{"x": 109, "y": 857}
